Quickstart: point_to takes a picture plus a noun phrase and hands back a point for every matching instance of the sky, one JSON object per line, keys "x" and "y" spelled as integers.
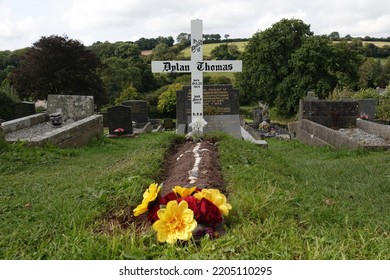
{"x": 24, "y": 22}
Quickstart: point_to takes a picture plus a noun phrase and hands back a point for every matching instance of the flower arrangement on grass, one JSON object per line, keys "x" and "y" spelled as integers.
{"x": 184, "y": 212}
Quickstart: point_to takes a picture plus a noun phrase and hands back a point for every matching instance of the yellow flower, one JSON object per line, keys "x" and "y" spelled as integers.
{"x": 217, "y": 198}
{"x": 175, "y": 222}
{"x": 183, "y": 192}
{"x": 149, "y": 195}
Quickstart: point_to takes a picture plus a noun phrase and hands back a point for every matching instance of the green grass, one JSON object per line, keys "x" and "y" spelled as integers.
{"x": 290, "y": 201}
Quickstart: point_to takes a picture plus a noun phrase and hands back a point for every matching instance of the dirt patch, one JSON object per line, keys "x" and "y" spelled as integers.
{"x": 179, "y": 160}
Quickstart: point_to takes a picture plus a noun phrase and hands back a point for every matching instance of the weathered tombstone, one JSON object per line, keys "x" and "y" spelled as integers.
{"x": 332, "y": 114}
{"x": 119, "y": 117}
{"x": 75, "y": 107}
{"x": 23, "y": 109}
{"x": 368, "y": 106}
{"x": 221, "y": 108}
{"x": 168, "y": 124}
{"x": 257, "y": 117}
{"x": 139, "y": 111}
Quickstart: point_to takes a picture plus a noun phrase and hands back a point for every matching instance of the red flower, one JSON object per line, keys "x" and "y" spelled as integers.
{"x": 152, "y": 213}
{"x": 208, "y": 213}
{"x": 168, "y": 197}
{"x": 205, "y": 212}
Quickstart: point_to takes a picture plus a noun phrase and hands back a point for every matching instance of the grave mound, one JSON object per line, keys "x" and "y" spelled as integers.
{"x": 178, "y": 161}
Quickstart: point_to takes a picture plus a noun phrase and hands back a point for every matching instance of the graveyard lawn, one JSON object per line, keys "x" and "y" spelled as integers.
{"x": 290, "y": 201}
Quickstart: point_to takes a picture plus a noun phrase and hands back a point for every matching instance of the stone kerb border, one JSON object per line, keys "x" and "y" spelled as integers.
{"x": 381, "y": 130}
{"x": 312, "y": 133}
{"x": 315, "y": 134}
{"x": 73, "y": 135}
{"x": 24, "y": 122}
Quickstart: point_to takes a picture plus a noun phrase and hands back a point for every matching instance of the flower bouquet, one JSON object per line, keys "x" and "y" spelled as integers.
{"x": 119, "y": 131}
{"x": 184, "y": 212}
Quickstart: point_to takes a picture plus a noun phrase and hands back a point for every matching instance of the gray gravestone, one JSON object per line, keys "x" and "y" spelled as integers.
{"x": 220, "y": 107}
{"x": 139, "y": 111}
{"x": 75, "y": 107}
{"x": 119, "y": 117}
{"x": 368, "y": 106}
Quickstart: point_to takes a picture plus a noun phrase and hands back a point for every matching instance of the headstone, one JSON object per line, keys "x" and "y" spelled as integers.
{"x": 119, "y": 117}
{"x": 257, "y": 117}
{"x": 75, "y": 107}
{"x": 221, "y": 108}
{"x": 23, "y": 109}
{"x": 332, "y": 114}
{"x": 368, "y": 106}
{"x": 139, "y": 111}
{"x": 169, "y": 124}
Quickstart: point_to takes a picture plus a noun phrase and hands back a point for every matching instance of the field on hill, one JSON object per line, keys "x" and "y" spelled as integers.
{"x": 207, "y": 48}
{"x": 290, "y": 201}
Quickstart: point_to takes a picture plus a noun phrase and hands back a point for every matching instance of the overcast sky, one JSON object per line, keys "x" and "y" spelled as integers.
{"x": 23, "y": 22}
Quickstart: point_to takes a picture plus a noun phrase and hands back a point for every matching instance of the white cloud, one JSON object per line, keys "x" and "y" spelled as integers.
{"x": 24, "y": 22}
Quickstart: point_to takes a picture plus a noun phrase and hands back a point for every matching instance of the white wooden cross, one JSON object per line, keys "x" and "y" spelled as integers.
{"x": 196, "y": 66}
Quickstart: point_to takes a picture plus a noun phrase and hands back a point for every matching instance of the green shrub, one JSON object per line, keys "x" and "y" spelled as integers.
{"x": 5, "y": 106}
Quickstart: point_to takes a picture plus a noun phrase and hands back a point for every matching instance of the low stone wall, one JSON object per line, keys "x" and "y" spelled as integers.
{"x": 24, "y": 122}
{"x": 73, "y": 135}
{"x": 315, "y": 134}
{"x": 381, "y": 130}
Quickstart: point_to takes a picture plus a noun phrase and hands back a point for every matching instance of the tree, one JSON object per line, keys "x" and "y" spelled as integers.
{"x": 225, "y": 52}
{"x": 58, "y": 65}
{"x": 167, "y": 100}
{"x": 334, "y": 36}
{"x": 285, "y": 61}
{"x": 163, "y": 52}
{"x": 266, "y": 59}
{"x": 372, "y": 74}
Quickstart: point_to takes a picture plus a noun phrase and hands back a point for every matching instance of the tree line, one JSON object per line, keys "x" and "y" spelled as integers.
{"x": 280, "y": 64}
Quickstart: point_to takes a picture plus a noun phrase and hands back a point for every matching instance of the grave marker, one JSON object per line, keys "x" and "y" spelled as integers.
{"x": 119, "y": 117}
{"x": 196, "y": 67}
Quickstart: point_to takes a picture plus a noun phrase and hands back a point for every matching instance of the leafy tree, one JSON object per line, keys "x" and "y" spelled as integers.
{"x": 58, "y": 65}
{"x": 119, "y": 74}
{"x": 371, "y": 74}
{"x": 285, "y": 61}
{"x": 167, "y": 100}
{"x": 163, "y": 52}
{"x": 266, "y": 59}
{"x": 334, "y": 36}
{"x": 5, "y": 106}
{"x": 225, "y": 51}
{"x": 129, "y": 93}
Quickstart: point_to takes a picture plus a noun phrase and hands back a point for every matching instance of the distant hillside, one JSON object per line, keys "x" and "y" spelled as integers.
{"x": 207, "y": 48}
